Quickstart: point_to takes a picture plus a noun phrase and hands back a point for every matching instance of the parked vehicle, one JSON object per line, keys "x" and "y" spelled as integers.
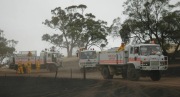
{"x": 134, "y": 61}
{"x": 50, "y": 60}
{"x": 87, "y": 59}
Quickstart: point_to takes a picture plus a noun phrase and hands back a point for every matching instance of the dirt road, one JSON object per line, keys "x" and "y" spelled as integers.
{"x": 44, "y": 84}
{"x": 94, "y": 74}
{"x": 70, "y": 83}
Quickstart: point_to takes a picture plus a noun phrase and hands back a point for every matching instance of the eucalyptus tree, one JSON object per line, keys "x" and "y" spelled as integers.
{"x": 5, "y": 50}
{"x": 76, "y": 29}
{"x": 68, "y": 23}
{"x": 144, "y": 19}
{"x": 170, "y": 25}
{"x": 126, "y": 29}
{"x": 12, "y": 43}
{"x": 1, "y": 33}
{"x": 115, "y": 27}
{"x": 82, "y": 7}
{"x": 95, "y": 31}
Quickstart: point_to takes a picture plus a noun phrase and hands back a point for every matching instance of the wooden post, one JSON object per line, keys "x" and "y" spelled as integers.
{"x": 5, "y": 75}
{"x": 71, "y": 73}
{"x": 84, "y": 69}
{"x": 5, "y": 79}
{"x": 56, "y": 74}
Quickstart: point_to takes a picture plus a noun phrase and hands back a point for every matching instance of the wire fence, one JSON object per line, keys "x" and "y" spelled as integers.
{"x": 60, "y": 73}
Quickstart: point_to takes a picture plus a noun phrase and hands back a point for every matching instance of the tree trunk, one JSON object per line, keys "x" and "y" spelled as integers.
{"x": 69, "y": 54}
{"x": 69, "y": 51}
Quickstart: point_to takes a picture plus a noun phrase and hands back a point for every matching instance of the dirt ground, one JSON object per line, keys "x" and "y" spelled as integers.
{"x": 70, "y": 82}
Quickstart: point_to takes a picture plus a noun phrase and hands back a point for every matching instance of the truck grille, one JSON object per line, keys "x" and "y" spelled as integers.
{"x": 89, "y": 62}
{"x": 154, "y": 63}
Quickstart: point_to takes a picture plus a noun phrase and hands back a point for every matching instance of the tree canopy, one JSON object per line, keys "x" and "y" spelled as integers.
{"x": 152, "y": 19}
{"x": 7, "y": 47}
{"x": 76, "y": 28}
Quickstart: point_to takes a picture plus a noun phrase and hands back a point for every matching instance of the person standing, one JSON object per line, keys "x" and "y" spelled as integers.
{"x": 77, "y": 53}
{"x": 29, "y": 66}
{"x": 121, "y": 48}
{"x": 20, "y": 67}
{"x": 38, "y": 65}
{"x": 25, "y": 67}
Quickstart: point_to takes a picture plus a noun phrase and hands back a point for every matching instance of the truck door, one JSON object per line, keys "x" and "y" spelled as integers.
{"x": 136, "y": 53}
{"x": 131, "y": 54}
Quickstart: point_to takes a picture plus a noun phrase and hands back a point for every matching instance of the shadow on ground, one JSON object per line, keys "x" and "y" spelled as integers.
{"x": 20, "y": 86}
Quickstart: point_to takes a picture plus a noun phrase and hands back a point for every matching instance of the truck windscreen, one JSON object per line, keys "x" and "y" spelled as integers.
{"x": 150, "y": 50}
{"x": 88, "y": 55}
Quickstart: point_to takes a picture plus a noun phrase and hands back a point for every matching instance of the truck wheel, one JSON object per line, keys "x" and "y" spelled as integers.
{"x": 124, "y": 74}
{"x": 155, "y": 75}
{"x": 132, "y": 73}
{"x": 106, "y": 74}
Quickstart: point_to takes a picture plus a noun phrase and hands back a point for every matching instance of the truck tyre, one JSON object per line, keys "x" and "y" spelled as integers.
{"x": 105, "y": 73}
{"x": 132, "y": 73}
{"x": 124, "y": 74}
{"x": 155, "y": 75}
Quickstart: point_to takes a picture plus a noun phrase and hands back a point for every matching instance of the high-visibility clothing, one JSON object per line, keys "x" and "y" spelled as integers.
{"x": 26, "y": 67}
{"x": 29, "y": 66}
{"x": 20, "y": 67}
{"x": 37, "y": 66}
{"x": 121, "y": 48}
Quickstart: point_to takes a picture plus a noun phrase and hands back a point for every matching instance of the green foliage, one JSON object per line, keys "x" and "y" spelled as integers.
{"x": 102, "y": 46}
{"x": 7, "y": 47}
{"x": 76, "y": 29}
{"x": 170, "y": 25}
{"x": 115, "y": 27}
{"x": 149, "y": 19}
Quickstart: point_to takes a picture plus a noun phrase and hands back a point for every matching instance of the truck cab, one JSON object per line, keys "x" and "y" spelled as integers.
{"x": 147, "y": 57}
{"x": 87, "y": 59}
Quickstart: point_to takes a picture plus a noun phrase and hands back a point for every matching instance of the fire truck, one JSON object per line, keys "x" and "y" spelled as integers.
{"x": 87, "y": 58}
{"x": 49, "y": 60}
{"x": 135, "y": 61}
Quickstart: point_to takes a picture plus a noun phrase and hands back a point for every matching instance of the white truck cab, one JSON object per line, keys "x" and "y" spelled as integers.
{"x": 87, "y": 59}
{"x": 134, "y": 61}
{"x": 147, "y": 57}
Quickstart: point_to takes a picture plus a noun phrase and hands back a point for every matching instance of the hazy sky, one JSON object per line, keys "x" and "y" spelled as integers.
{"x": 22, "y": 20}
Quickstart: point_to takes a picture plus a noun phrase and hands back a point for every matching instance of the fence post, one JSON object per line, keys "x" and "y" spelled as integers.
{"x": 56, "y": 74}
{"x": 5, "y": 75}
{"x": 5, "y": 79}
{"x": 84, "y": 69}
{"x": 71, "y": 73}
